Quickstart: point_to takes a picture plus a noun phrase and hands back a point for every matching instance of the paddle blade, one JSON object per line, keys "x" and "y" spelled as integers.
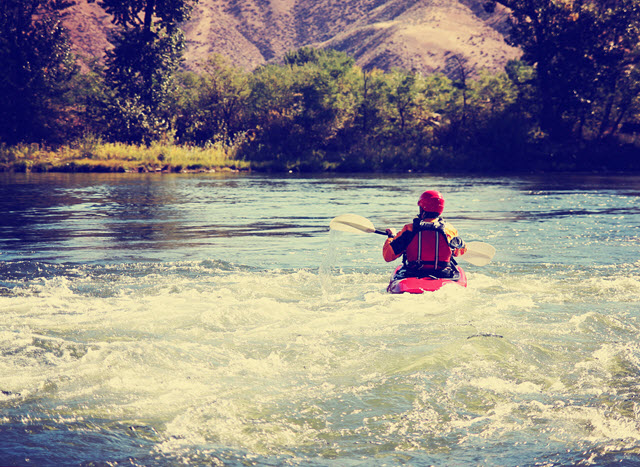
{"x": 479, "y": 253}
{"x": 352, "y": 223}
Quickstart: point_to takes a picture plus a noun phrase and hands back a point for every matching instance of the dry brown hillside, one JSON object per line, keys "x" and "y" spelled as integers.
{"x": 419, "y": 35}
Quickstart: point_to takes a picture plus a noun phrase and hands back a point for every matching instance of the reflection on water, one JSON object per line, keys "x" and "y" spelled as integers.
{"x": 255, "y": 220}
{"x": 75, "y": 217}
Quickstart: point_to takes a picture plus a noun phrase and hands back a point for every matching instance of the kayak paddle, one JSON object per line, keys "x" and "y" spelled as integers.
{"x": 354, "y": 224}
{"x": 478, "y": 253}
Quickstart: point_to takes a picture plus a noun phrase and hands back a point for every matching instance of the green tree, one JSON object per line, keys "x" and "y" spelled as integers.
{"x": 300, "y": 109}
{"x": 215, "y": 102}
{"x": 492, "y": 94}
{"x": 37, "y": 69}
{"x": 324, "y": 81}
{"x": 539, "y": 27}
{"x": 585, "y": 55}
{"x": 273, "y": 106}
{"x": 615, "y": 88}
{"x": 373, "y": 93}
{"x": 141, "y": 66}
{"x": 496, "y": 134}
{"x": 402, "y": 97}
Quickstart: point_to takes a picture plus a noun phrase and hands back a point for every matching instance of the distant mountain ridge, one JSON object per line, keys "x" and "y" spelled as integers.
{"x": 419, "y": 35}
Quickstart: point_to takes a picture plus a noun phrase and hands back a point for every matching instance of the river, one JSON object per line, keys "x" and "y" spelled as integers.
{"x": 213, "y": 319}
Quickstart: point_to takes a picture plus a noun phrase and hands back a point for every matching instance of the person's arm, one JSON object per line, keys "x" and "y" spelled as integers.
{"x": 456, "y": 243}
{"x": 396, "y": 245}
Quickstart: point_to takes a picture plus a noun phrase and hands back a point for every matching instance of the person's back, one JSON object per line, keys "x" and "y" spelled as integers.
{"x": 429, "y": 243}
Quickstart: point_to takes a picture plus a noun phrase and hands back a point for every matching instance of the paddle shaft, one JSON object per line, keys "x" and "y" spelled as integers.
{"x": 478, "y": 253}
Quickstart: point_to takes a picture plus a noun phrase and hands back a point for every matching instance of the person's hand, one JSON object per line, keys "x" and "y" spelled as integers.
{"x": 456, "y": 243}
{"x": 391, "y": 233}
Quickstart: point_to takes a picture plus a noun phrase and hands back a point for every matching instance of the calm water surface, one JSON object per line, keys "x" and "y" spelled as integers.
{"x": 214, "y": 320}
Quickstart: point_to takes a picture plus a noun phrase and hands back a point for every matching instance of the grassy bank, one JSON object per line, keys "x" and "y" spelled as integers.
{"x": 95, "y": 156}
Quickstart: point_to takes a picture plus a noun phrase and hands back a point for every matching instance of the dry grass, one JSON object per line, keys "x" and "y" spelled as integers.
{"x": 90, "y": 155}
{"x": 252, "y": 32}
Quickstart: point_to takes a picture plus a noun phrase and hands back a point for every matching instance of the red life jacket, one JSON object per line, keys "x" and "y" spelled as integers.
{"x": 429, "y": 247}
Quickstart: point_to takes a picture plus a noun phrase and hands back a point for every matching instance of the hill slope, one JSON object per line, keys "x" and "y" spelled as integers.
{"x": 418, "y": 35}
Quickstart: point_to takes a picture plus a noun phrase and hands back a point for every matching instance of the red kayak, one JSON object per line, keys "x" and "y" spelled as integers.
{"x": 400, "y": 283}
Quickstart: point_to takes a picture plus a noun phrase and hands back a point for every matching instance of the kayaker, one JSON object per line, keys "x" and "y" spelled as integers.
{"x": 428, "y": 244}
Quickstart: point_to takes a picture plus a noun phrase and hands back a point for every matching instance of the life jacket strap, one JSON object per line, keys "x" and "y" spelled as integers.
{"x": 418, "y": 227}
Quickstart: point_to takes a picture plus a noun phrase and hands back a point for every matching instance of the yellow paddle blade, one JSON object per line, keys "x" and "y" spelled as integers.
{"x": 352, "y": 223}
{"x": 479, "y": 253}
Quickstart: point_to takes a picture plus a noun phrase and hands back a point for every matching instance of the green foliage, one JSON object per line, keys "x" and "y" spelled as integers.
{"x": 319, "y": 111}
{"x": 141, "y": 14}
{"x": 37, "y": 69}
{"x": 586, "y": 57}
{"x": 562, "y": 106}
{"x": 371, "y": 91}
{"x": 299, "y": 110}
{"x": 402, "y": 98}
{"x": 212, "y": 105}
{"x": 141, "y": 66}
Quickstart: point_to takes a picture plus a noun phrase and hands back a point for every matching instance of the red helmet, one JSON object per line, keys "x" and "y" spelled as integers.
{"x": 431, "y": 201}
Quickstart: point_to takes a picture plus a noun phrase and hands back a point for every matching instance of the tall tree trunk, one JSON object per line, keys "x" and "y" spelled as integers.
{"x": 148, "y": 17}
{"x": 604, "y": 123}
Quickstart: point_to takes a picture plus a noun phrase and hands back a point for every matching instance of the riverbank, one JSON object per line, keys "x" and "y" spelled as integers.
{"x": 94, "y": 156}
{"x": 89, "y": 156}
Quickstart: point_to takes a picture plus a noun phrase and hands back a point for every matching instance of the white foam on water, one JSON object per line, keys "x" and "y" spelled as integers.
{"x": 305, "y": 363}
